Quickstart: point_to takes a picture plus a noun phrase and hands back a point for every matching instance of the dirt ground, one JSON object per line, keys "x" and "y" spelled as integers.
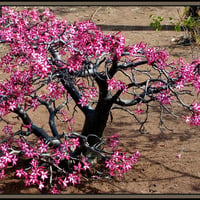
{"x": 158, "y": 170}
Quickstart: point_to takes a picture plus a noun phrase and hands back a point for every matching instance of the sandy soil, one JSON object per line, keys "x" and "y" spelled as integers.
{"x": 158, "y": 170}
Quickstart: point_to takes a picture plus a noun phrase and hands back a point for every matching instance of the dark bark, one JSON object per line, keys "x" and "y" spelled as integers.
{"x": 96, "y": 121}
{"x": 193, "y": 11}
{"x": 27, "y": 121}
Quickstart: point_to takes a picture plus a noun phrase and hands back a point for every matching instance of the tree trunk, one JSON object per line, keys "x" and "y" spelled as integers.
{"x": 96, "y": 120}
{"x": 192, "y": 11}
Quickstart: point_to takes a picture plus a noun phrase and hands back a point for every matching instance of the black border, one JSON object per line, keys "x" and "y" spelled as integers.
{"x": 99, "y": 3}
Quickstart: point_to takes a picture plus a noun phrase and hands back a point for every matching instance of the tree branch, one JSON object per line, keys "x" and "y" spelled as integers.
{"x": 27, "y": 121}
{"x": 51, "y": 117}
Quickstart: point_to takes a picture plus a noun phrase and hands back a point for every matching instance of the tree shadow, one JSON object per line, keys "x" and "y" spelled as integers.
{"x": 182, "y": 174}
{"x": 105, "y": 27}
{"x": 16, "y": 186}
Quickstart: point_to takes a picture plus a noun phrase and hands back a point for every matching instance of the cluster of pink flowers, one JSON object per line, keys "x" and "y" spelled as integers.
{"x": 152, "y": 54}
{"x": 164, "y": 97}
{"x": 37, "y": 174}
{"x": 159, "y": 57}
{"x": 121, "y": 162}
{"x": 188, "y": 73}
{"x": 194, "y": 119}
{"x": 116, "y": 84}
{"x": 55, "y": 91}
{"x": 87, "y": 95}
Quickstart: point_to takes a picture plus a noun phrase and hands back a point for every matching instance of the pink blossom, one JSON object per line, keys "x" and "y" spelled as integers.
{"x": 2, "y": 174}
{"x": 195, "y": 120}
{"x": 43, "y": 147}
{"x": 12, "y": 105}
{"x": 196, "y": 83}
{"x": 83, "y": 101}
{"x": 2, "y": 163}
{"x": 4, "y": 147}
{"x": 7, "y": 157}
{"x": 54, "y": 190}
{"x": 196, "y": 107}
{"x": 164, "y": 98}
{"x": 180, "y": 85}
{"x": 178, "y": 156}
{"x": 14, "y": 160}
{"x": 34, "y": 163}
{"x": 74, "y": 179}
{"x": 35, "y": 104}
{"x": 21, "y": 173}
{"x": 111, "y": 84}
{"x": 139, "y": 110}
{"x": 86, "y": 165}
{"x": 29, "y": 152}
{"x": 75, "y": 142}
{"x": 33, "y": 179}
{"x": 41, "y": 185}
{"x": 114, "y": 141}
{"x": 43, "y": 174}
{"x": 187, "y": 119}
{"x": 65, "y": 182}
{"x": 65, "y": 145}
{"x": 7, "y": 129}
{"x": 78, "y": 167}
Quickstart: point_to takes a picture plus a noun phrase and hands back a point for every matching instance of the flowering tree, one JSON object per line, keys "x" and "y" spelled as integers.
{"x": 51, "y": 63}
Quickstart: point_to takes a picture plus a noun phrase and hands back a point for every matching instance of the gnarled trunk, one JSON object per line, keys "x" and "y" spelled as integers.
{"x": 96, "y": 120}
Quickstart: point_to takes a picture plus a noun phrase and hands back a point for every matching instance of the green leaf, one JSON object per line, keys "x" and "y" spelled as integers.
{"x": 177, "y": 28}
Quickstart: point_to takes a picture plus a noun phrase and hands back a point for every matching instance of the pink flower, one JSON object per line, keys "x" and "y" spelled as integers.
{"x": 196, "y": 107}
{"x": 138, "y": 110}
{"x": 65, "y": 182}
{"x": 83, "y": 101}
{"x": 21, "y": 173}
{"x": 75, "y": 142}
{"x": 33, "y": 178}
{"x": 34, "y": 163}
{"x": 195, "y": 120}
{"x": 74, "y": 179}
{"x": 65, "y": 145}
{"x": 29, "y": 152}
{"x": 111, "y": 84}
{"x": 180, "y": 85}
{"x": 14, "y": 160}
{"x": 86, "y": 165}
{"x": 43, "y": 147}
{"x": 114, "y": 141}
{"x": 2, "y": 174}
{"x": 34, "y": 104}
{"x": 43, "y": 174}
{"x": 110, "y": 164}
{"x": 2, "y": 163}
{"x": 78, "y": 167}
{"x": 12, "y": 105}
{"x": 164, "y": 98}
{"x": 41, "y": 185}
{"x": 178, "y": 156}
{"x": 4, "y": 147}
{"x": 54, "y": 190}
{"x": 7, "y": 157}
{"x": 7, "y": 129}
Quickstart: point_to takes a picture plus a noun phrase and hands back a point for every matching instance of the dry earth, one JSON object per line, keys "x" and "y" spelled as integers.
{"x": 158, "y": 170}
